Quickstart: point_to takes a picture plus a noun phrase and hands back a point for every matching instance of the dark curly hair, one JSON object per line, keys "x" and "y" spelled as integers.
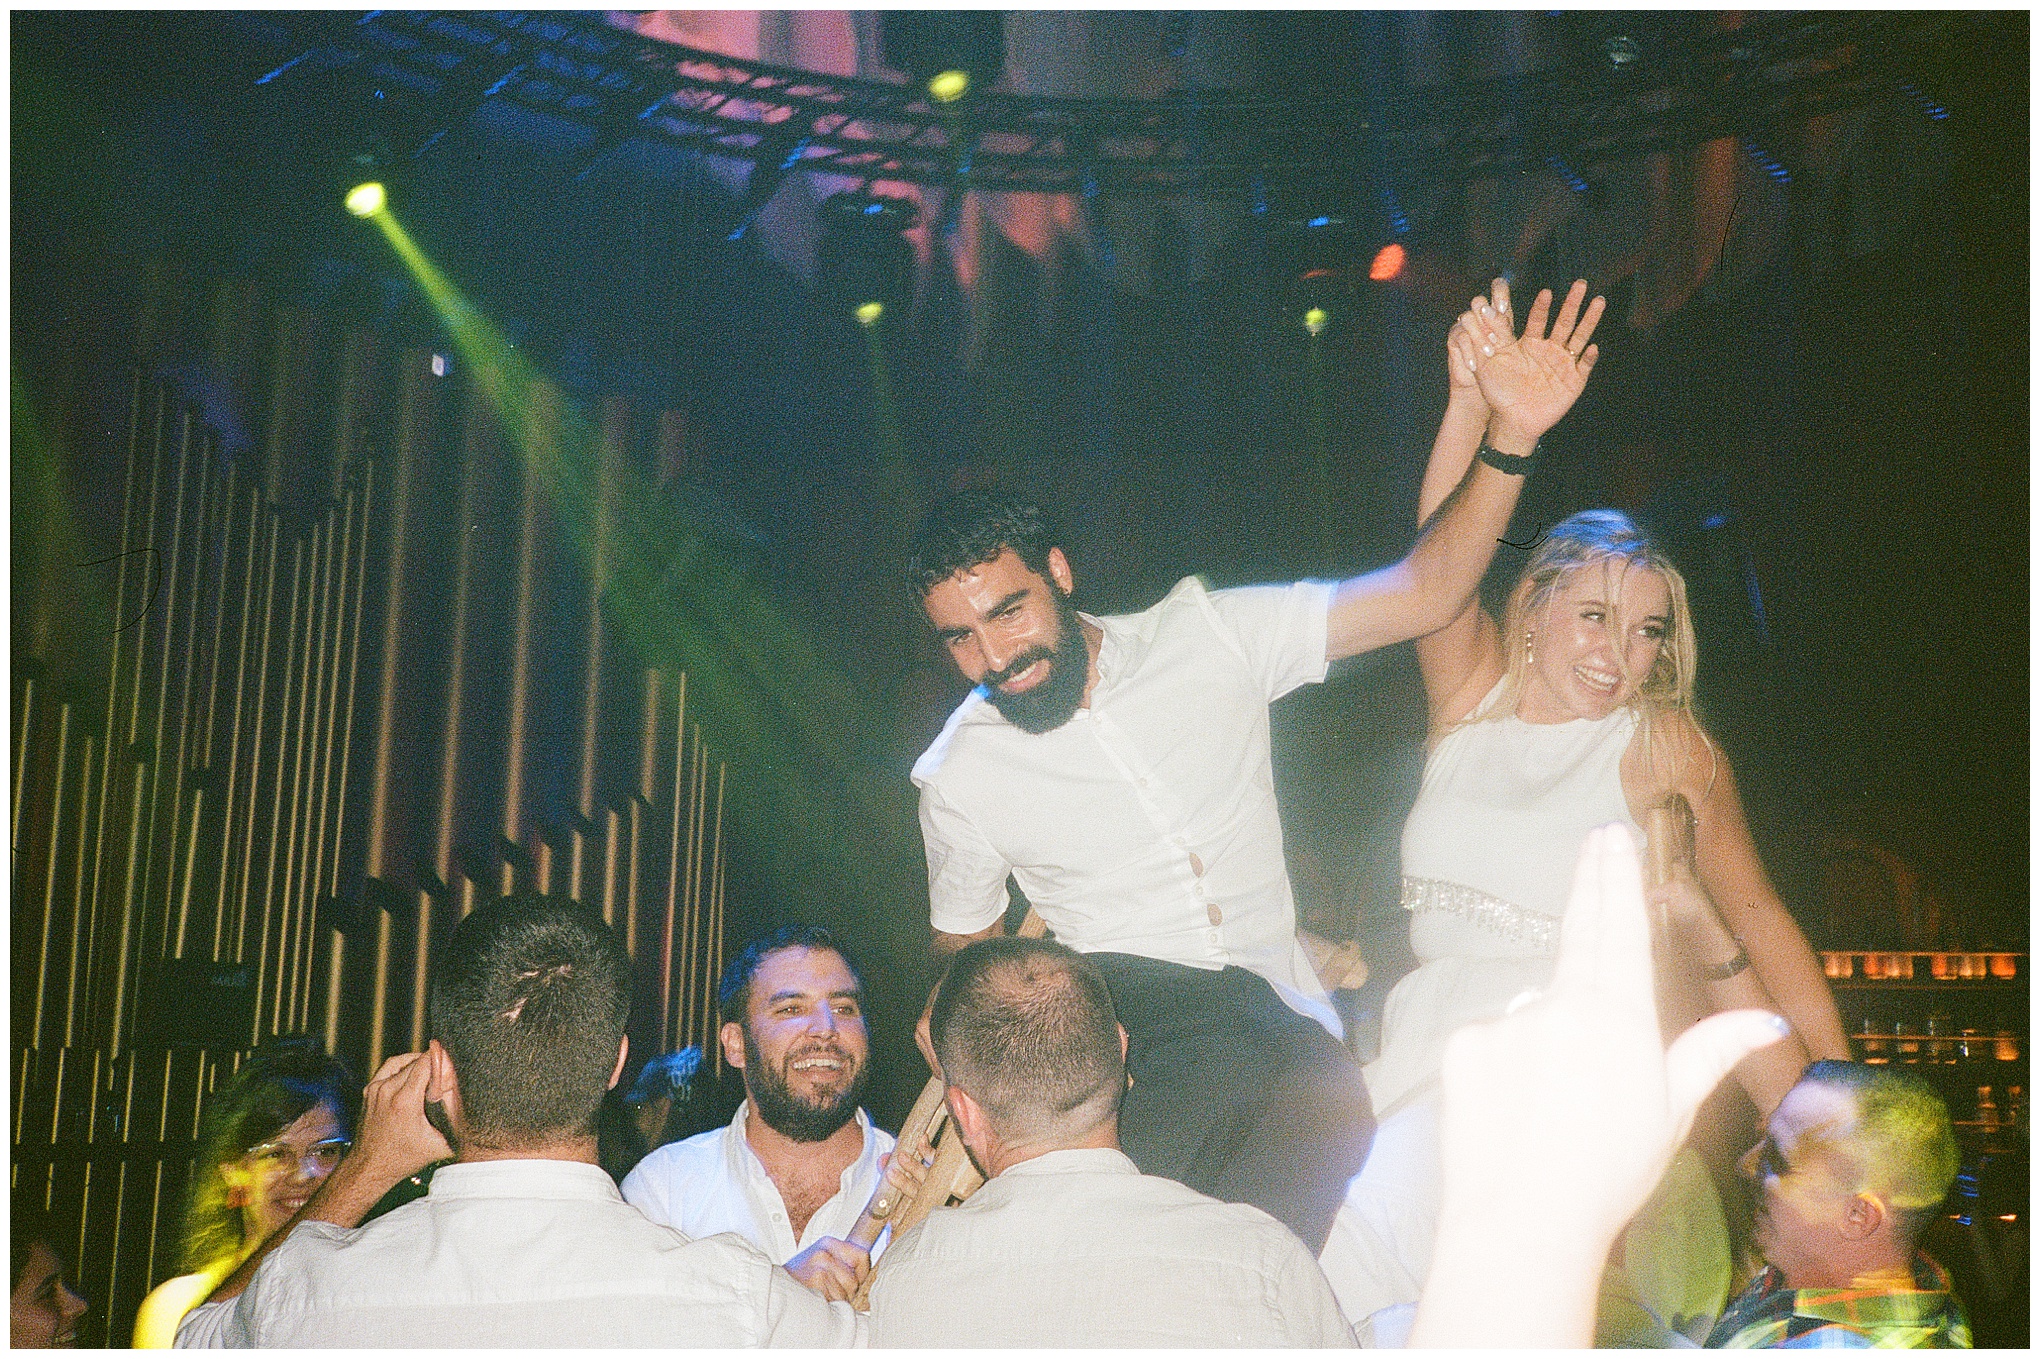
{"x": 276, "y": 1085}
{"x": 733, "y": 989}
{"x": 972, "y": 527}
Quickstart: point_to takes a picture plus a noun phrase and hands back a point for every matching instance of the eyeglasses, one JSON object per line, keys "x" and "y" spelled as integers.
{"x": 318, "y": 1159}
{"x": 1766, "y": 1160}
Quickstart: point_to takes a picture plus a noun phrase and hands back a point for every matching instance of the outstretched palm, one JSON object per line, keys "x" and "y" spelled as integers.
{"x": 1531, "y": 382}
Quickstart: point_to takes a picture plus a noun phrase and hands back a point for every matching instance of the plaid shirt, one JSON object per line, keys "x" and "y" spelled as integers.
{"x": 1769, "y": 1316}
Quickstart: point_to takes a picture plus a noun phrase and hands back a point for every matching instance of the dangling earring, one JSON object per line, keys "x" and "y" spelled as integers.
{"x": 1529, "y": 648}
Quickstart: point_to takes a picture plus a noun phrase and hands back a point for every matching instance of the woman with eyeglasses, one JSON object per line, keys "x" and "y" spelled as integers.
{"x": 271, "y": 1136}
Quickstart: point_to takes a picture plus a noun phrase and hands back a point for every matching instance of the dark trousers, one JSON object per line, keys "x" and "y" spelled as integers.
{"x": 1235, "y": 1094}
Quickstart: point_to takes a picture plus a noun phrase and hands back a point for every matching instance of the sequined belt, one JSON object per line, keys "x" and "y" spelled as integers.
{"x": 1505, "y": 918}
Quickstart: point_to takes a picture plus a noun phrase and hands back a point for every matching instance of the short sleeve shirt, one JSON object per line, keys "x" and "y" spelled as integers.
{"x": 1146, "y": 824}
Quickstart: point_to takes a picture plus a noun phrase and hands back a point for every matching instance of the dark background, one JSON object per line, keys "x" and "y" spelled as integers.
{"x": 1851, "y": 408}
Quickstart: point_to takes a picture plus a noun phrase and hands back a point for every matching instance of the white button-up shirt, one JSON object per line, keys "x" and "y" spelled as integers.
{"x": 1079, "y": 1249}
{"x": 714, "y": 1182}
{"x": 1146, "y": 824}
{"x": 518, "y": 1254}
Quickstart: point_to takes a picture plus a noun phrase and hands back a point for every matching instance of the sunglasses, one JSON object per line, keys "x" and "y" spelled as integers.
{"x": 319, "y": 1158}
{"x": 1766, "y": 1160}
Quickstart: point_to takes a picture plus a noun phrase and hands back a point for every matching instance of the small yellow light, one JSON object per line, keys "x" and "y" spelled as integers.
{"x": 868, "y": 314}
{"x": 949, "y": 86}
{"x": 1316, "y": 319}
{"x": 366, "y": 200}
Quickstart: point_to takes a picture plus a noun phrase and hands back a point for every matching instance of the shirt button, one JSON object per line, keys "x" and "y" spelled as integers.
{"x": 1214, "y": 936}
{"x": 1217, "y": 916}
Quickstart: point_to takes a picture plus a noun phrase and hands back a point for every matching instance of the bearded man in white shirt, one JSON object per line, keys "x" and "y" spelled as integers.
{"x": 1067, "y": 1244}
{"x": 1118, "y": 768}
{"x": 524, "y": 1241}
{"x": 800, "y": 1159}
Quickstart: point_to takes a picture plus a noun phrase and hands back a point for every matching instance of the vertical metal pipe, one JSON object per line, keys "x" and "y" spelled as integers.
{"x": 673, "y": 870}
{"x": 154, "y": 844}
{"x": 246, "y": 615}
{"x": 366, "y": 504}
{"x": 598, "y": 583}
{"x": 304, "y": 668}
{"x": 421, "y": 959}
{"x": 379, "y": 992}
{"x": 190, "y": 871}
{"x": 55, "y": 851}
{"x": 410, "y": 436}
{"x": 305, "y": 885}
{"x": 520, "y": 660}
{"x": 612, "y": 902}
{"x": 253, "y": 801}
{"x": 181, "y": 614}
{"x": 697, "y": 831}
{"x": 715, "y": 936}
{"x": 117, "y": 1037}
{"x": 24, "y": 721}
{"x": 263, "y": 980}
{"x": 222, "y": 590}
{"x": 79, "y": 882}
{"x": 336, "y": 958}
{"x": 632, "y": 860}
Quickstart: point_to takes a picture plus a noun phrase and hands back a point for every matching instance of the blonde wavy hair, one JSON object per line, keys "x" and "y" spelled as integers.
{"x": 1610, "y": 540}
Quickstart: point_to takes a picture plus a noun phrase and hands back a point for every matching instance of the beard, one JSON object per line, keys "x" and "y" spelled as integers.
{"x": 788, "y": 1114}
{"x": 1056, "y": 699}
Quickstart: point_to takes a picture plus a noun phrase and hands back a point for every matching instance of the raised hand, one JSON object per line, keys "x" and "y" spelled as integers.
{"x": 397, "y": 1139}
{"x": 1462, "y": 345}
{"x": 1531, "y": 381}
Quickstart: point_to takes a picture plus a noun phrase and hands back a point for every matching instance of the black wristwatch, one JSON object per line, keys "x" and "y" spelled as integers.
{"x": 1515, "y": 464}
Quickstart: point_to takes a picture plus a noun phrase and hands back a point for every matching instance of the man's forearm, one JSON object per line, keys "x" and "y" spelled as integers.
{"x": 344, "y": 1200}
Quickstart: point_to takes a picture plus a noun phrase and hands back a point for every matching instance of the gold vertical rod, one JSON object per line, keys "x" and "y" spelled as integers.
{"x": 421, "y": 959}
{"x": 715, "y": 934}
{"x": 56, "y": 839}
{"x": 612, "y": 827}
{"x": 246, "y": 615}
{"x": 366, "y": 503}
{"x": 153, "y": 805}
{"x": 456, "y": 668}
{"x": 296, "y": 909}
{"x": 339, "y": 726}
{"x": 78, "y": 895}
{"x": 379, "y": 993}
{"x": 190, "y": 870}
{"x": 633, "y": 857}
{"x": 520, "y": 661}
{"x": 411, "y": 424}
{"x": 127, "y": 914}
{"x": 673, "y": 870}
{"x": 100, "y": 846}
{"x": 690, "y": 898}
{"x": 222, "y": 591}
{"x": 697, "y": 862}
{"x": 23, "y": 726}
{"x": 182, "y": 617}
{"x": 598, "y": 582}
{"x": 276, "y": 801}
{"x": 265, "y": 650}
{"x": 311, "y": 868}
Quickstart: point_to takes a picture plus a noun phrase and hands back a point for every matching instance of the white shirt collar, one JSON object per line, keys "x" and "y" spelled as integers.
{"x": 523, "y": 1178}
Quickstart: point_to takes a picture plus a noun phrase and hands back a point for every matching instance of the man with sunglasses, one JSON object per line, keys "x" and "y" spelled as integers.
{"x": 1854, "y": 1163}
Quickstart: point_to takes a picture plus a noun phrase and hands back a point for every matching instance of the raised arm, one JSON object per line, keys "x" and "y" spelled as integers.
{"x": 1527, "y": 384}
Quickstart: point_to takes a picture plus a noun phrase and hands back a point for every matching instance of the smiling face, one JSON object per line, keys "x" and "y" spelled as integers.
{"x": 46, "y": 1311}
{"x": 1594, "y": 642}
{"x": 1013, "y": 630}
{"x": 803, "y": 1047}
{"x": 273, "y": 1180}
{"x": 1807, "y": 1181}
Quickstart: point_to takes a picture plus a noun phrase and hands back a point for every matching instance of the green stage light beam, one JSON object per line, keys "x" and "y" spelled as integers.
{"x": 798, "y": 729}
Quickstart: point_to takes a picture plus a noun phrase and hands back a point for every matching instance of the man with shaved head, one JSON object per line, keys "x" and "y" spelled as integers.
{"x": 1068, "y": 1244}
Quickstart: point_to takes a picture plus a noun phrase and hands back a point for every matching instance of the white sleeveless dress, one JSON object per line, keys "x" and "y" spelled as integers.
{"x": 1488, "y": 855}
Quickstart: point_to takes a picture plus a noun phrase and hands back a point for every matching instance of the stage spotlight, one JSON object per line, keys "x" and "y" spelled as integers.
{"x": 1388, "y": 263}
{"x": 1316, "y": 319}
{"x": 946, "y": 52}
{"x": 868, "y": 313}
{"x": 366, "y": 200}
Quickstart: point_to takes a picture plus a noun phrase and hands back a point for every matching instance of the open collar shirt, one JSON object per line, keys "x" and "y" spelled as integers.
{"x": 714, "y": 1182}
{"x": 1770, "y": 1316}
{"x": 519, "y": 1254}
{"x": 1079, "y": 1249}
{"x": 1147, "y": 823}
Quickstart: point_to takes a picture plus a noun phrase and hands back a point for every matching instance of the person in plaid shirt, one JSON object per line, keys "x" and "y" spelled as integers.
{"x": 1854, "y": 1163}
